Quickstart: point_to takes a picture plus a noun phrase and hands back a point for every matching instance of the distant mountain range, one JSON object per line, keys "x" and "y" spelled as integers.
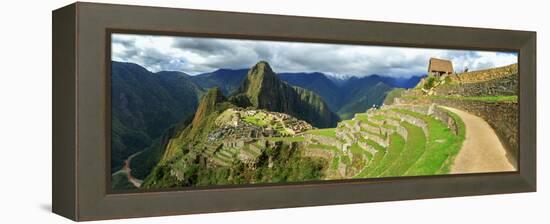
{"x": 343, "y": 96}
{"x": 144, "y": 105}
{"x": 148, "y": 108}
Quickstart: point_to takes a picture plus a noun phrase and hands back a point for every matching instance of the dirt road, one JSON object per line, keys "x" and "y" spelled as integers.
{"x": 482, "y": 150}
{"x": 127, "y": 170}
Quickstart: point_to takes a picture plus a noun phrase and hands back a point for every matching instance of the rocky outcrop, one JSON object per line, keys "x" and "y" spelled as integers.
{"x": 262, "y": 89}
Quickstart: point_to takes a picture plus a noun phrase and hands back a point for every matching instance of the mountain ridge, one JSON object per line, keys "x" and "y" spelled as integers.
{"x": 144, "y": 104}
{"x": 263, "y": 89}
{"x": 331, "y": 91}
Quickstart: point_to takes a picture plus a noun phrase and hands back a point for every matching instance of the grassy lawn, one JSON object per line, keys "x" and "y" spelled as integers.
{"x": 365, "y": 119}
{"x": 373, "y": 133}
{"x": 327, "y": 132}
{"x": 415, "y": 147}
{"x": 356, "y": 149}
{"x": 287, "y": 139}
{"x": 441, "y": 147}
{"x": 256, "y": 121}
{"x": 397, "y": 144}
{"x": 326, "y": 147}
{"x": 388, "y": 126}
{"x": 379, "y": 117}
{"x": 380, "y": 153}
{"x": 418, "y": 155}
{"x": 362, "y": 117}
{"x": 455, "y": 148}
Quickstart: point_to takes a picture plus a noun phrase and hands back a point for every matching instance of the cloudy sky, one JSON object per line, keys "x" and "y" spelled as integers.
{"x": 194, "y": 56}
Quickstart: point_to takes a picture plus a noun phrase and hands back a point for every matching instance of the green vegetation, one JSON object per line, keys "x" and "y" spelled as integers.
{"x": 192, "y": 143}
{"x": 454, "y": 148}
{"x": 326, "y": 147}
{"x": 512, "y": 98}
{"x": 362, "y": 97}
{"x": 397, "y": 144}
{"x": 119, "y": 180}
{"x": 492, "y": 98}
{"x": 335, "y": 162}
{"x": 365, "y": 119}
{"x": 374, "y": 162}
{"x": 418, "y": 154}
{"x": 287, "y": 139}
{"x": 286, "y": 166}
{"x": 441, "y": 145}
{"x": 394, "y": 93}
{"x": 255, "y": 120}
{"x": 415, "y": 147}
{"x": 144, "y": 105}
{"x": 429, "y": 82}
{"x": 327, "y": 132}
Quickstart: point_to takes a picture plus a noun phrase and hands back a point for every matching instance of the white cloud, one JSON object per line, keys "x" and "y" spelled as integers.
{"x": 194, "y": 55}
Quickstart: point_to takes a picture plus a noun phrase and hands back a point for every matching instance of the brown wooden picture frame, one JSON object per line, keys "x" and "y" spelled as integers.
{"x": 81, "y": 111}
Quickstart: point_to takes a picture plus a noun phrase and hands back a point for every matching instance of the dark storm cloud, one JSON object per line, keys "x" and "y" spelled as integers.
{"x": 203, "y": 46}
{"x": 199, "y": 55}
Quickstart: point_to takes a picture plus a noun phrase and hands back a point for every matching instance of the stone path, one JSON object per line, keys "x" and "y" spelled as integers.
{"x": 482, "y": 150}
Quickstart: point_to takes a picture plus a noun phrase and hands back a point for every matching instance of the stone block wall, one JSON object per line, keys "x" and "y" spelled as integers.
{"x": 313, "y": 152}
{"x": 431, "y": 110}
{"x": 369, "y": 128}
{"x": 505, "y": 85}
{"x": 323, "y": 140}
{"x": 384, "y": 142}
{"x": 402, "y": 131}
{"x": 412, "y": 120}
{"x": 485, "y": 75}
{"x": 503, "y": 117}
{"x": 367, "y": 147}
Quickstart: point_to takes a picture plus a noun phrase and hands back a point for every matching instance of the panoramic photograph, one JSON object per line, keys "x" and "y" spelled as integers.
{"x": 198, "y": 112}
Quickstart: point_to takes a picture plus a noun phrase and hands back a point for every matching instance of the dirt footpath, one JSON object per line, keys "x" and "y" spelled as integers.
{"x": 482, "y": 150}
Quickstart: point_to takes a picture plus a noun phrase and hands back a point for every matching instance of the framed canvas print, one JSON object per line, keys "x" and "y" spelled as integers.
{"x": 202, "y": 111}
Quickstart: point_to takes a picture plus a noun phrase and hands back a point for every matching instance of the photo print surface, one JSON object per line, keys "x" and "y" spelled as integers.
{"x": 197, "y": 111}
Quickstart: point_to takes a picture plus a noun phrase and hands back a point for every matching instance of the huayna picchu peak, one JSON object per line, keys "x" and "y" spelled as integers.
{"x": 263, "y": 89}
{"x": 228, "y": 116}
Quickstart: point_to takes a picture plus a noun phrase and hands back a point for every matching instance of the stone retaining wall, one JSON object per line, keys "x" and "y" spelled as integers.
{"x": 384, "y": 142}
{"x": 324, "y": 140}
{"x": 412, "y": 120}
{"x": 393, "y": 122}
{"x": 322, "y": 153}
{"x": 485, "y": 75}
{"x": 431, "y": 110}
{"x": 507, "y": 85}
{"x": 443, "y": 116}
{"x": 369, "y": 128}
{"x": 386, "y": 131}
{"x": 403, "y": 132}
{"x": 502, "y": 116}
{"x": 367, "y": 147}
{"x": 375, "y": 121}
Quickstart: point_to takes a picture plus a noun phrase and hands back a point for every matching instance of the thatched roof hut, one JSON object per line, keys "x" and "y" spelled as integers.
{"x": 440, "y": 67}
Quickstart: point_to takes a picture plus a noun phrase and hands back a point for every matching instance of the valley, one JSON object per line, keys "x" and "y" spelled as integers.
{"x": 278, "y": 128}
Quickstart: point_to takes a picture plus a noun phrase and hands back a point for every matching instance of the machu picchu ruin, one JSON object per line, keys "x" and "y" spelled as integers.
{"x": 259, "y": 126}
